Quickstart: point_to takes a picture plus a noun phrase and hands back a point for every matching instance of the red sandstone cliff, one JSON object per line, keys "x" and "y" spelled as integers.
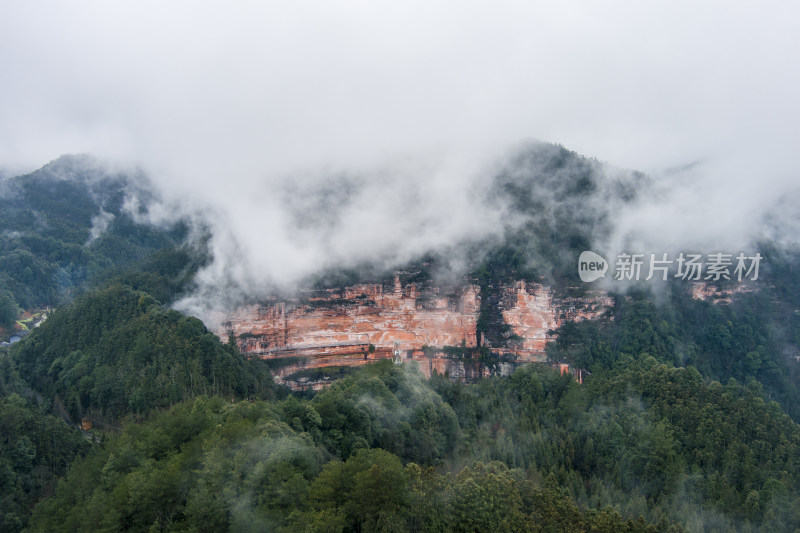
{"x": 397, "y": 318}
{"x": 703, "y": 290}
{"x": 358, "y": 316}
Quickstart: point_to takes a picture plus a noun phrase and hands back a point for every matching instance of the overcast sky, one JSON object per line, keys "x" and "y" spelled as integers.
{"x": 219, "y": 100}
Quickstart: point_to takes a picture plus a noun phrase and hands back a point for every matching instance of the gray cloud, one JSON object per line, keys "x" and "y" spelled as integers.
{"x": 243, "y": 110}
{"x": 290, "y": 228}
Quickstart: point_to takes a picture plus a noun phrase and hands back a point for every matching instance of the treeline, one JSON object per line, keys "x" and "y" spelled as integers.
{"x": 753, "y": 339}
{"x": 35, "y": 448}
{"x": 297, "y": 465}
{"x": 640, "y": 446}
{"x": 116, "y": 352}
{"x": 645, "y": 447}
{"x": 651, "y": 440}
{"x": 67, "y": 224}
{"x": 114, "y": 356}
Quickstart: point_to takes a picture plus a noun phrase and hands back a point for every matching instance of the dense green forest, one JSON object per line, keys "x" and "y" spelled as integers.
{"x": 385, "y": 449}
{"x": 754, "y": 339}
{"x": 687, "y": 421}
{"x": 116, "y": 352}
{"x": 70, "y": 224}
{"x": 35, "y": 448}
{"x": 68, "y": 232}
{"x": 379, "y": 450}
{"x": 113, "y": 357}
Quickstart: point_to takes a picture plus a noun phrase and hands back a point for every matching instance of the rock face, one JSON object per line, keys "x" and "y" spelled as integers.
{"x": 533, "y": 311}
{"x": 352, "y": 325}
{"x": 528, "y": 309}
{"x": 703, "y": 290}
{"x": 398, "y": 318}
{"x": 356, "y": 317}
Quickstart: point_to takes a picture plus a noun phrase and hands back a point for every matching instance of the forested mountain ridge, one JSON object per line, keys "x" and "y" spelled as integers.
{"x": 754, "y": 338}
{"x": 297, "y": 465}
{"x": 529, "y": 452}
{"x": 112, "y": 357}
{"x": 687, "y": 421}
{"x": 70, "y": 223}
{"x": 69, "y": 232}
{"x": 116, "y": 352}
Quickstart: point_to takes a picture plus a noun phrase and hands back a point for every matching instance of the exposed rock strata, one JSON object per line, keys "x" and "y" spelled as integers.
{"x": 398, "y": 318}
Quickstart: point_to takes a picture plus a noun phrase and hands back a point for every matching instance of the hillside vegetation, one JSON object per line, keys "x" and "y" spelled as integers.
{"x": 686, "y": 422}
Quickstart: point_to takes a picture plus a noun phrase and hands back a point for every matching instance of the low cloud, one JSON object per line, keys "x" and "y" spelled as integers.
{"x": 100, "y": 224}
{"x": 337, "y": 132}
{"x": 268, "y": 239}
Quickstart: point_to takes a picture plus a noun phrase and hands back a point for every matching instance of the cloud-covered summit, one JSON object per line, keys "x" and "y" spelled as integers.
{"x": 262, "y": 115}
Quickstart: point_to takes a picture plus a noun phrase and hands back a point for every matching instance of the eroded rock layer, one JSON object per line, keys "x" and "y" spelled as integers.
{"x": 398, "y": 319}
{"x": 356, "y": 317}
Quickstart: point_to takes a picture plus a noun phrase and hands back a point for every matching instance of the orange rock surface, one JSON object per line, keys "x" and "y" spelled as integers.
{"x": 397, "y": 318}
{"x": 703, "y": 290}
{"x": 531, "y": 315}
{"x": 362, "y": 315}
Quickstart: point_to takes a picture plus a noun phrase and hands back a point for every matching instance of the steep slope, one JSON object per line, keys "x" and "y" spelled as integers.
{"x": 116, "y": 352}
{"x": 360, "y": 323}
{"x": 299, "y": 465}
{"x": 70, "y": 222}
{"x": 517, "y": 288}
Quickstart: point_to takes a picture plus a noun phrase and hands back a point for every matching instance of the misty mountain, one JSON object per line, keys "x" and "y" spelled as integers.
{"x": 348, "y": 199}
{"x": 687, "y": 420}
{"x": 547, "y": 203}
{"x": 112, "y": 356}
{"x": 73, "y": 222}
{"x": 115, "y": 352}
